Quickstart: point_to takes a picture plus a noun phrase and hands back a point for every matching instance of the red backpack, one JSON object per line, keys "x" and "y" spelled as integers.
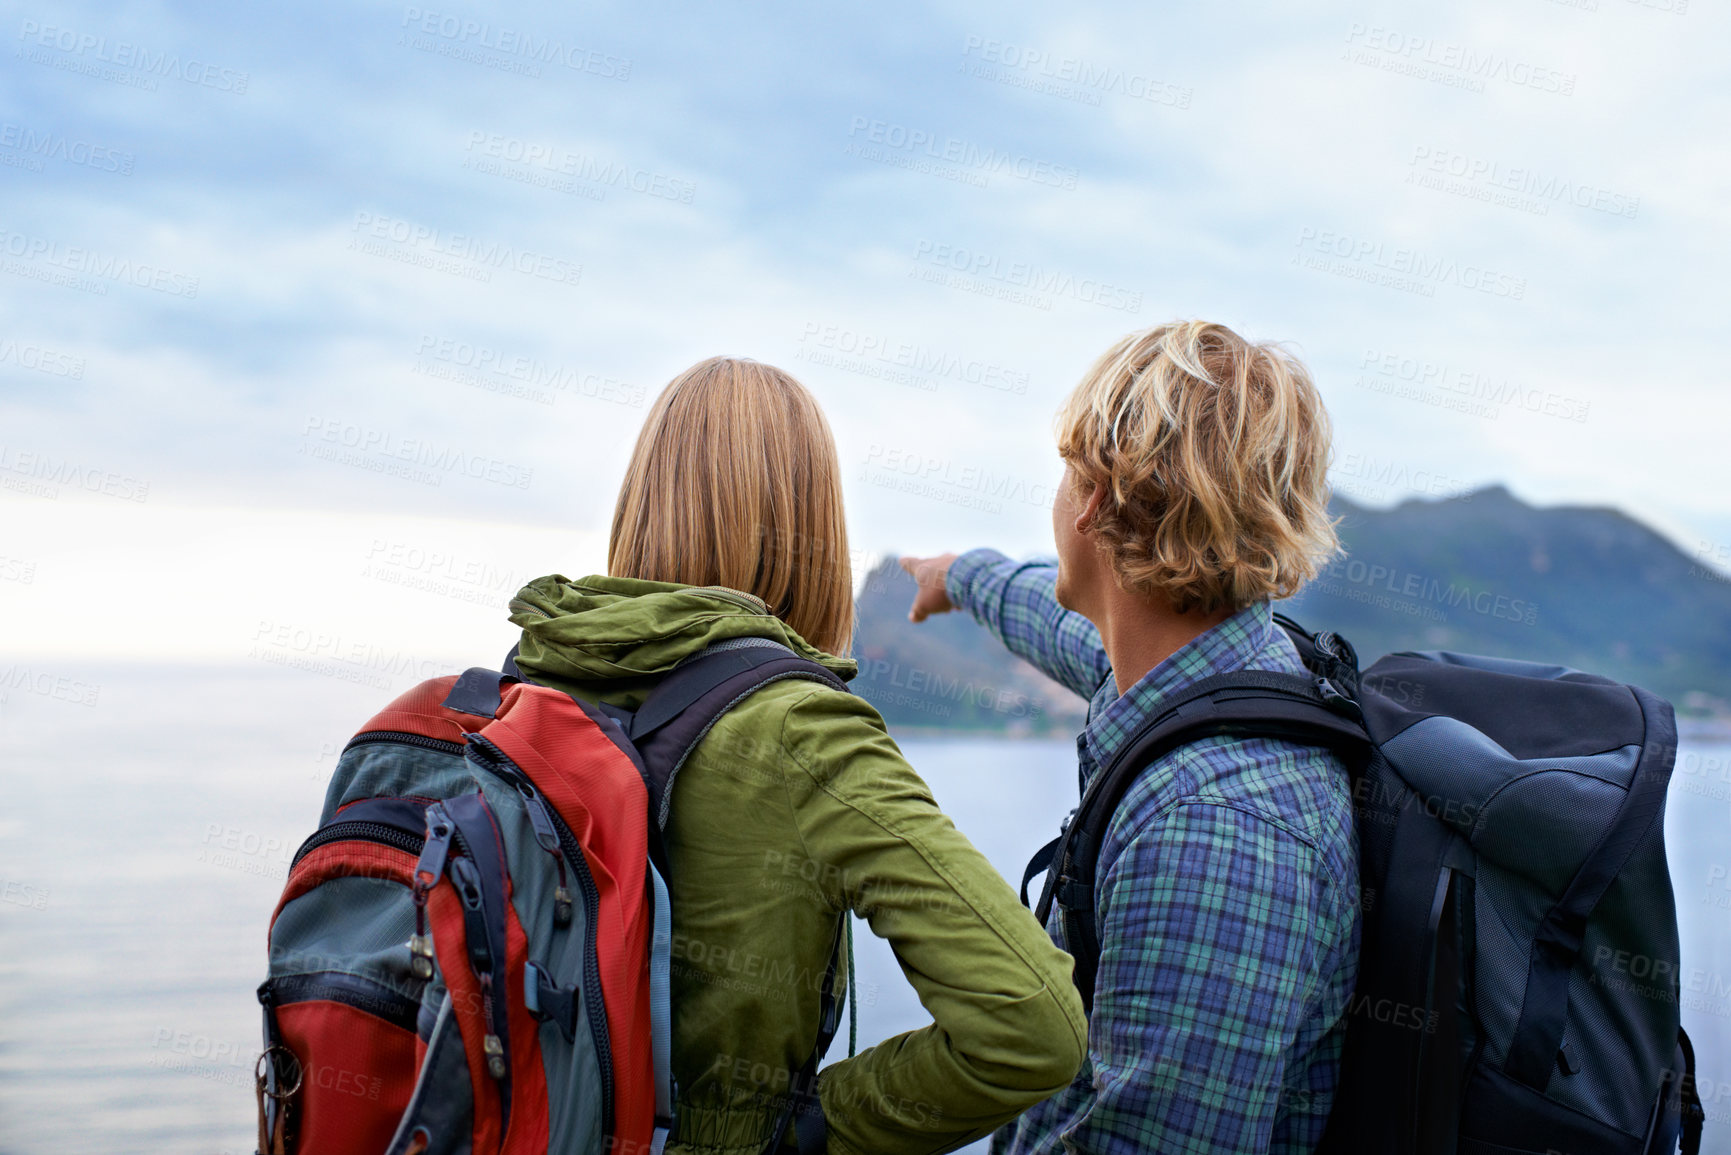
{"x": 472, "y": 952}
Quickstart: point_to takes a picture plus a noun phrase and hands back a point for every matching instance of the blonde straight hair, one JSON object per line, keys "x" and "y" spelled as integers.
{"x": 735, "y": 482}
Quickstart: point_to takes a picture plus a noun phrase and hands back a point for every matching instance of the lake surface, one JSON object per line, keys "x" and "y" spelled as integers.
{"x": 144, "y": 840}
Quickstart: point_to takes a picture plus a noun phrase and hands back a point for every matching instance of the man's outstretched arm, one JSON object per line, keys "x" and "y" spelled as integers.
{"x": 1018, "y": 603}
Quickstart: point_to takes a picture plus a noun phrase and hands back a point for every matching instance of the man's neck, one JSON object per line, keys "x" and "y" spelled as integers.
{"x": 1139, "y": 633}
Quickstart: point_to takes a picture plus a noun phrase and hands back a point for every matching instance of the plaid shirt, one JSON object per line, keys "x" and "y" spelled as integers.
{"x": 1227, "y": 902}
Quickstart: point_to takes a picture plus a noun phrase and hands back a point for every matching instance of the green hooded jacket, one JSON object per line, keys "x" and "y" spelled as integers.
{"x": 796, "y": 808}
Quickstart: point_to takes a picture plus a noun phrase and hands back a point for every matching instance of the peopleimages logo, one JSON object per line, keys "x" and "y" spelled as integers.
{"x": 23, "y": 894}
{"x": 89, "y": 50}
{"x": 347, "y": 443}
{"x": 1712, "y": 562}
{"x": 56, "y": 471}
{"x": 1454, "y": 64}
{"x": 80, "y": 261}
{"x": 1088, "y": 76}
{"x": 893, "y": 462}
{"x": 1026, "y": 276}
{"x": 563, "y": 162}
{"x": 1390, "y": 474}
{"x": 46, "y": 683}
{"x": 1400, "y": 267}
{"x": 856, "y": 350}
{"x": 532, "y": 47}
{"x": 416, "y": 244}
{"x": 496, "y": 371}
{"x": 27, "y": 355}
{"x": 39, "y": 146}
{"x": 15, "y": 569}
{"x": 437, "y": 571}
{"x": 1474, "y": 385}
{"x": 1517, "y": 186}
{"x": 1422, "y": 588}
{"x": 318, "y": 651}
{"x": 966, "y": 155}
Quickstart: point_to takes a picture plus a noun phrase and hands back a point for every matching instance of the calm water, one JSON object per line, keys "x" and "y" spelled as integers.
{"x": 144, "y": 840}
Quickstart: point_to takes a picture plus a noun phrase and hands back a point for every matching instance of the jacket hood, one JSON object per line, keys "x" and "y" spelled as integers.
{"x": 603, "y": 637}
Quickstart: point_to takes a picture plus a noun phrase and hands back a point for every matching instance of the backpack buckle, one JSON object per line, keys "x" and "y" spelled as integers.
{"x": 1337, "y": 701}
{"x": 1072, "y": 894}
{"x": 548, "y": 1002}
{"x": 831, "y": 1020}
{"x": 1337, "y": 660}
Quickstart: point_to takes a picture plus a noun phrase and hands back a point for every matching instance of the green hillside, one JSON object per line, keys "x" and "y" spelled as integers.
{"x": 1485, "y": 573}
{"x": 947, "y": 673}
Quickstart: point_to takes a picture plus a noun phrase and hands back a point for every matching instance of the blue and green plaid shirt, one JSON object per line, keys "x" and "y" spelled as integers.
{"x": 1227, "y": 902}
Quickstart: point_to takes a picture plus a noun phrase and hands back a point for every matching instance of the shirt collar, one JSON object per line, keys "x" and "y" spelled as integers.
{"x": 1231, "y": 645}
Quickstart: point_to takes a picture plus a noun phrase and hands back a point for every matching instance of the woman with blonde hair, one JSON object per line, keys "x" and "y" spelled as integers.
{"x": 796, "y": 808}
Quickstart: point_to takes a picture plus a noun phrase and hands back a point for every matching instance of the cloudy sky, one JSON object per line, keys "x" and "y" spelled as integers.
{"x": 334, "y": 322}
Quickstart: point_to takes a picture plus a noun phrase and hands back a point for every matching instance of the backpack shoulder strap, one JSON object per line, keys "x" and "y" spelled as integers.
{"x": 680, "y": 711}
{"x": 1310, "y": 710}
{"x": 682, "y": 707}
{"x": 665, "y": 729}
{"x": 803, "y": 1108}
{"x": 662, "y": 733}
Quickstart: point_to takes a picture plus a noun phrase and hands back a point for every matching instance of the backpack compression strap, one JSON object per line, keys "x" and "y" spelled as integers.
{"x": 661, "y": 1010}
{"x": 1689, "y": 1097}
{"x": 804, "y": 1110}
{"x": 1246, "y": 703}
{"x": 1545, "y": 1005}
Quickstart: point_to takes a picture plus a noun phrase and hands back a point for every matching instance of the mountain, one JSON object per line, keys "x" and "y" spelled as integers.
{"x": 1588, "y": 587}
{"x": 947, "y": 673}
{"x": 1582, "y": 586}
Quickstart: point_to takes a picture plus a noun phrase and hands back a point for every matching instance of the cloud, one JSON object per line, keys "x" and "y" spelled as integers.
{"x": 440, "y": 258}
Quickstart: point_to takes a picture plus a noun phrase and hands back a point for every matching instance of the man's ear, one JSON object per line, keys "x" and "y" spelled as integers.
{"x": 1090, "y": 509}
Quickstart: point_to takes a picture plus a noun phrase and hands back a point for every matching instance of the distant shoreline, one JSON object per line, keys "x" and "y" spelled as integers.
{"x": 1689, "y": 728}
{"x": 1710, "y": 729}
{"x": 962, "y": 734}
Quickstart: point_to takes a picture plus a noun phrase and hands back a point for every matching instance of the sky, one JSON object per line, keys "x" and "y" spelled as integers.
{"x": 325, "y": 326}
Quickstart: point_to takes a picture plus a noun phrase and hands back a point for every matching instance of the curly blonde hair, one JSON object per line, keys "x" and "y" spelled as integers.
{"x": 1213, "y": 451}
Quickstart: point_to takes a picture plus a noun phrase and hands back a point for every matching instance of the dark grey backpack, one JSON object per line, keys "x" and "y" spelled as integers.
{"x": 1518, "y": 978}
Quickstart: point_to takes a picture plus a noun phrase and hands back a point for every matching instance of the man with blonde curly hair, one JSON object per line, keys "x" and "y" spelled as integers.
{"x": 1194, "y": 494}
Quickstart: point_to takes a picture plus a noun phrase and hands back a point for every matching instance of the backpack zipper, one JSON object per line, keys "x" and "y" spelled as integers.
{"x": 400, "y": 738}
{"x": 359, "y": 831}
{"x": 435, "y": 851}
{"x": 490, "y": 758}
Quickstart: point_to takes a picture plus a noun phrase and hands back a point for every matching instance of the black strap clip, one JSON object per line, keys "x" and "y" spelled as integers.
{"x": 549, "y": 1002}
{"x": 1338, "y": 702}
{"x": 1072, "y": 894}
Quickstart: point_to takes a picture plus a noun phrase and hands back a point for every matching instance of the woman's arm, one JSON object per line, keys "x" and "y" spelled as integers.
{"x": 1008, "y": 1029}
